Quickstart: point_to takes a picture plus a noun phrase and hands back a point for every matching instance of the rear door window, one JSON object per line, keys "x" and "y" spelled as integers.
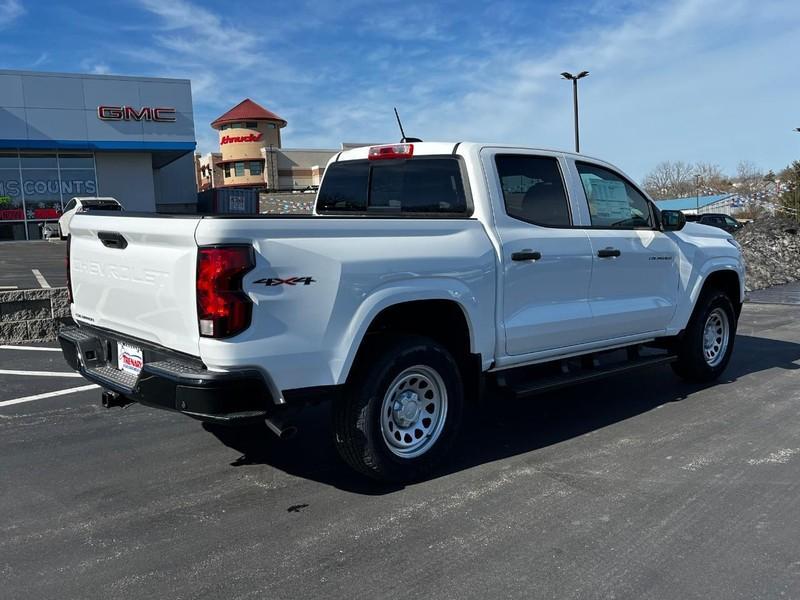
{"x": 429, "y": 185}
{"x": 533, "y": 189}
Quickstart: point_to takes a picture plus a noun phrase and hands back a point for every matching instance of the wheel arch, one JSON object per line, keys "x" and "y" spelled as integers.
{"x": 726, "y": 272}
{"x": 727, "y": 281}
{"x": 434, "y": 313}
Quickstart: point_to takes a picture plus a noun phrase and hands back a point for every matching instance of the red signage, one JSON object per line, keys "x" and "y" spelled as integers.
{"x": 128, "y": 113}
{"x": 236, "y": 139}
{"x": 46, "y": 213}
{"x": 12, "y": 214}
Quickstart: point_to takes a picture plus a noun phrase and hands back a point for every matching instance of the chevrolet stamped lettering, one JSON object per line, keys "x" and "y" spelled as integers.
{"x": 121, "y": 272}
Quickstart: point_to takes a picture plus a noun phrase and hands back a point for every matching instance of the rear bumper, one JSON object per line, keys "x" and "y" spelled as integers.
{"x": 168, "y": 380}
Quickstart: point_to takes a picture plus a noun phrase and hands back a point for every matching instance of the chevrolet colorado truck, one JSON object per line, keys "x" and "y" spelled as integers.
{"x": 431, "y": 277}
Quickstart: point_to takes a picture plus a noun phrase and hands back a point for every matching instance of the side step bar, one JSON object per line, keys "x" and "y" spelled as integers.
{"x": 552, "y": 382}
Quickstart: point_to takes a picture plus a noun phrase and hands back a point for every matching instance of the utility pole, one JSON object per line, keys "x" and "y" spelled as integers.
{"x": 797, "y": 193}
{"x": 697, "y": 192}
{"x": 574, "y": 80}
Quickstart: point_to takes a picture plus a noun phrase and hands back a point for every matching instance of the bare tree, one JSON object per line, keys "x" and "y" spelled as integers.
{"x": 711, "y": 178}
{"x": 670, "y": 179}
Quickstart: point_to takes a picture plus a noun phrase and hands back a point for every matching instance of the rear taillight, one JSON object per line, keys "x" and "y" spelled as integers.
{"x": 66, "y": 261}
{"x": 223, "y": 309}
{"x": 391, "y": 151}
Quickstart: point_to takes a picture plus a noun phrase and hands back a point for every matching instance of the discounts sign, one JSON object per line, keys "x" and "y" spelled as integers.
{"x": 47, "y": 187}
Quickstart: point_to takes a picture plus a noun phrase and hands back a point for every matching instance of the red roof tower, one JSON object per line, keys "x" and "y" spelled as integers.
{"x": 247, "y": 110}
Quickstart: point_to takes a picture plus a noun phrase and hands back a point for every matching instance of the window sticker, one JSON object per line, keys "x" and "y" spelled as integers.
{"x": 609, "y": 199}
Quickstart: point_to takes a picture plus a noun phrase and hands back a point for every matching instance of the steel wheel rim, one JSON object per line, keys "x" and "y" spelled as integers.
{"x": 413, "y": 411}
{"x": 716, "y": 335}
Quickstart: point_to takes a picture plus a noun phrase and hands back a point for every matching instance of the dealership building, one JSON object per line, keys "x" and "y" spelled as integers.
{"x": 64, "y": 135}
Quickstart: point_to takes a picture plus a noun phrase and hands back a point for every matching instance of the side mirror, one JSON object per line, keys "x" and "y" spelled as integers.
{"x": 672, "y": 220}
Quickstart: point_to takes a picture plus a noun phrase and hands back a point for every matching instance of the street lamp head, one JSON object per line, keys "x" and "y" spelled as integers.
{"x": 566, "y": 75}
{"x": 797, "y": 129}
{"x": 582, "y": 74}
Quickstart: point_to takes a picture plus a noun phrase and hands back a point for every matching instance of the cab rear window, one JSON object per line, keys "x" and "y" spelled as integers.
{"x": 416, "y": 186}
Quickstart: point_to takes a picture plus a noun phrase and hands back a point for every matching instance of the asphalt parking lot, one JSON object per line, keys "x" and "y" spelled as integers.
{"x": 638, "y": 487}
{"x": 32, "y": 264}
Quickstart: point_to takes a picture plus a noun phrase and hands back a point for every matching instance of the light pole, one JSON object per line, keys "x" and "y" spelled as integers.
{"x": 574, "y": 80}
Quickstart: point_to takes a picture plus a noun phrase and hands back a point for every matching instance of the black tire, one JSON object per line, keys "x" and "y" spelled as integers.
{"x": 357, "y": 415}
{"x": 692, "y": 364}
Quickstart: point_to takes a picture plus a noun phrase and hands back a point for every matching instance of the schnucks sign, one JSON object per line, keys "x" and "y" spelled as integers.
{"x": 238, "y": 139}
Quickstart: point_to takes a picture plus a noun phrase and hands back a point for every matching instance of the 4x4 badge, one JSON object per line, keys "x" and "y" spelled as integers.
{"x": 273, "y": 281}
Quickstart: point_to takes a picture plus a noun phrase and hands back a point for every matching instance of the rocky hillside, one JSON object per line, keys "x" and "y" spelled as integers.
{"x": 771, "y": 247}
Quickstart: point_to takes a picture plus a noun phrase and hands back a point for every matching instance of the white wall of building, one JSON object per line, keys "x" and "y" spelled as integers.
{"x": 128, "y": 177}
{"x": 175, "y": 186}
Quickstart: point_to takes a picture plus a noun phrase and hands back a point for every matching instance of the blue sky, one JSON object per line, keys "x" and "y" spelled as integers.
{"x": 709, "y": 80}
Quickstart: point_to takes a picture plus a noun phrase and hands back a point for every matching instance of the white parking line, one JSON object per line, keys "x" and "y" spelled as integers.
{"x": 9, "y": 287}
{"x": 39, "y": 373}
{"x": 42, "y": 348}
{"x": 40, "y": 278}
{"x": 82, "y": 388}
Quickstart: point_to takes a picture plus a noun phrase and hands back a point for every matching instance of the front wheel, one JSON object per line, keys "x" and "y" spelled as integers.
{"x": 707, "y": 343}
{"x": 401, "y": 409}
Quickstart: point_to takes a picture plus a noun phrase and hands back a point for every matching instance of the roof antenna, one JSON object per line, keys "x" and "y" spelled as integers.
{"x": 404, "y": 139}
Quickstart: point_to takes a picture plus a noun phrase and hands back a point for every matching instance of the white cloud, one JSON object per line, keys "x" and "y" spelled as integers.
{"x": 95, "y": 67}
{"x": 683, "y": 79}
{"x": 10, "y": 10}
{"x": 43, "y": 58}
{"x": 690, "y": 79}
{"x": 225, "y": 60}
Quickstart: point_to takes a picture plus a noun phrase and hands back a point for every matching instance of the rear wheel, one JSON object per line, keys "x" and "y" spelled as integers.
{"x": 401, "y": 409}
{"x": 707, "y": 343}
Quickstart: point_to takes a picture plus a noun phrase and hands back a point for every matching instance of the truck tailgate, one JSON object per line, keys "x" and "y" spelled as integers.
{"x": 135, "y": 275}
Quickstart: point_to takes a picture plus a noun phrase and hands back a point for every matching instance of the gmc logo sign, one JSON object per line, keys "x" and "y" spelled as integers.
{"x": 128, "y": 113}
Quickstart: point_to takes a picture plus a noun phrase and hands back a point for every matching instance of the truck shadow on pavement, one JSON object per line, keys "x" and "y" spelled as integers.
{"x": 499, "y": 428}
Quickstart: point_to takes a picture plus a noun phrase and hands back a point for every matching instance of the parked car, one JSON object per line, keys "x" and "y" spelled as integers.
{"x": 428, "y": 274}
{"x": 722, "y": 221}
{"x": 82, "y": 204}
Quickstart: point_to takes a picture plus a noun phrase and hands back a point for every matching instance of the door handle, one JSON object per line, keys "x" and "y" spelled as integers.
{"x": 608, "y": 253}
{"x": 112, "y": 239}
{"x": 526, "y": 255}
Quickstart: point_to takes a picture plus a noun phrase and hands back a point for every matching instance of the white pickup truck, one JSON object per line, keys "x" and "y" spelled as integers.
{"x": 428, "y": 274}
